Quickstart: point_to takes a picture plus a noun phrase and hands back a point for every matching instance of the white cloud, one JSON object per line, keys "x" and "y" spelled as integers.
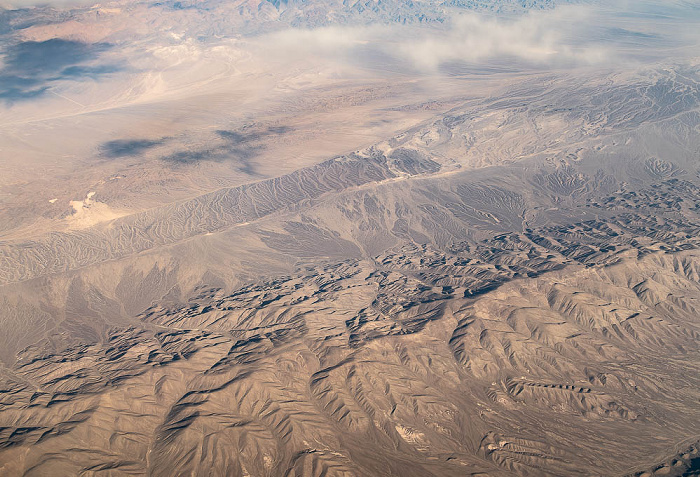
{"x": 564, "y": 36}
{"x": 535, "y": 38}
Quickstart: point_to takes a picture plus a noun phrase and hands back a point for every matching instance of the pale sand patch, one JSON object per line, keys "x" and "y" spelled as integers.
{"x": 409, "y": 435}
{"x": 89, "y": 212}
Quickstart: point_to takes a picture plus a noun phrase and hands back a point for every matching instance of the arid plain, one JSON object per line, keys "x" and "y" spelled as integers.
{"x": 271, "y": 238}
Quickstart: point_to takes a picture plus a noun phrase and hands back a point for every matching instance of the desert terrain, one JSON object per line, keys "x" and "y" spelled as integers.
{"x": 358, "y": 238}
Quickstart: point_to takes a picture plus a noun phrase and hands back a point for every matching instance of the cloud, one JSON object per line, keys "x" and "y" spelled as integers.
{"x": 542, "y": 37}
{"x": 539, "y": 37}
{"x": 569, "y": 35}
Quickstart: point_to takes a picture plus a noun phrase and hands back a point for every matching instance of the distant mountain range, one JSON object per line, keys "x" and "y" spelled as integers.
{"x": 260, "y": 14}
